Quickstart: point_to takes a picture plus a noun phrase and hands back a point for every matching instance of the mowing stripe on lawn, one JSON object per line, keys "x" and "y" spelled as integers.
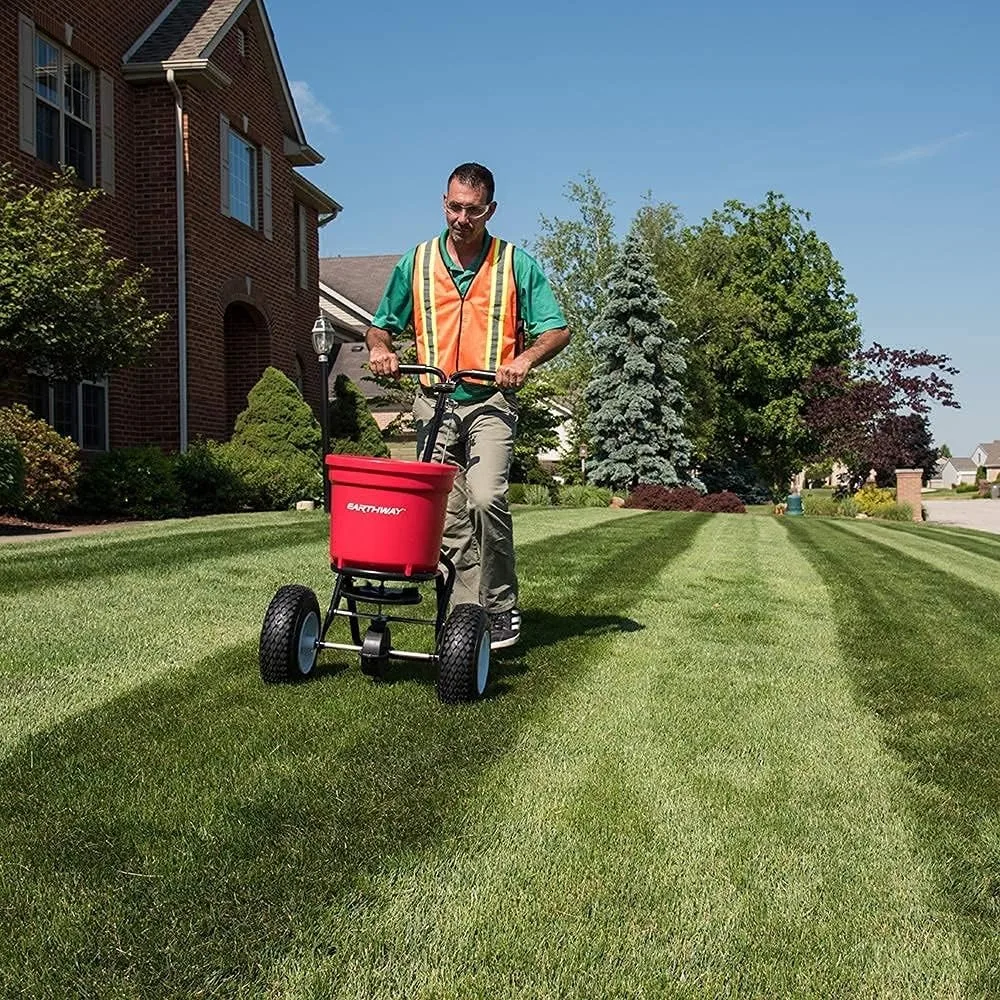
{"x": 703, "y": 813}
{"x": 185, "y": 837}
{"x": 925, "y": 654}
{"x": 84, "y": 619}
{"x": 975, "y": 564}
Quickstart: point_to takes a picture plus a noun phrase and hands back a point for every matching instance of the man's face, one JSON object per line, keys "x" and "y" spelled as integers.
{"x": 467, "y": 211}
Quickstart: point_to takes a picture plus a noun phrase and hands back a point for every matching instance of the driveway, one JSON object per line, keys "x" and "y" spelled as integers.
{"x": 981, "y": 514}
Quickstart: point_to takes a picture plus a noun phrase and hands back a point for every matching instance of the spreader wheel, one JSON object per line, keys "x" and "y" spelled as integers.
{"x": 289, "y": 635}
{"x": 375, "y": 650}
{"x": 464, "y": 655}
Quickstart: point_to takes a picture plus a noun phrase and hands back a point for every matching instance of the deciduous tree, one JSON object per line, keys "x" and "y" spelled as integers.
{"x": 68, "y": 308}
{"x": 871, "y": 413}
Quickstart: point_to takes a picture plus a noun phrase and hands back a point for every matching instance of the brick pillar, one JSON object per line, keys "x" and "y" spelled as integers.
{"x": 908, "y": 482}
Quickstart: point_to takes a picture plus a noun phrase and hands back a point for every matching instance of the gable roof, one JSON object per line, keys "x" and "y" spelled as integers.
{"x": 959, "y": 464}
{"x": 362, "y": 280}
{"x": 992, "y": 451}
{"x": 183, "y": 39}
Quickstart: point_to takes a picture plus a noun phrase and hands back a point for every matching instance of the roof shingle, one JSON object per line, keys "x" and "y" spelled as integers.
{"x": 187, "y": 31}
{"x": 360, "y": 279}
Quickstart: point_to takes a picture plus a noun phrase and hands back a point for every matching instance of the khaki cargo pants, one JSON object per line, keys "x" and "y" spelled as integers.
{"x": 478, "y": 532}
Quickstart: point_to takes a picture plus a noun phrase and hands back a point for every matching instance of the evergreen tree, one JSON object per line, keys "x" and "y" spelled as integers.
{"x": 635, "y": 396}
{"x": 277, "y": 422}
{"x": 353, "y": 430}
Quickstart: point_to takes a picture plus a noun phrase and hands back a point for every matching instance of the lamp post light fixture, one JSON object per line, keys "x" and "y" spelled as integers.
{"x": 322, "y": 338}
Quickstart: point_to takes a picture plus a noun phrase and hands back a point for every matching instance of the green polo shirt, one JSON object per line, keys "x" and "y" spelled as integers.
{"x": 537, "y": 305}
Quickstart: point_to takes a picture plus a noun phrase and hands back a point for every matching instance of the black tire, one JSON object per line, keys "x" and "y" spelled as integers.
{"x": 464, "y": 655}
{"x": 287, "y": 638}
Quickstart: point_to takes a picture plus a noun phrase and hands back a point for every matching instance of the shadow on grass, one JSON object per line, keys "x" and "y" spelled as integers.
{"x": 926, "y": 653}
{"x": 185, "y": 838}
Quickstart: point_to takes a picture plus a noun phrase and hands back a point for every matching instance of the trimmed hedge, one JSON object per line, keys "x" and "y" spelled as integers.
{"x": 131, "y": 483}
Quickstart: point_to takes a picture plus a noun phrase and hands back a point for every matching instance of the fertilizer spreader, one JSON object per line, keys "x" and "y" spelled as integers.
{"x": 386, "y": 524}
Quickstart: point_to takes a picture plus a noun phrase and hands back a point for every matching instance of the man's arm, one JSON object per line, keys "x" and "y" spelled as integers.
{"x": 545, "y": 346}
{"x": 382, "y": 355}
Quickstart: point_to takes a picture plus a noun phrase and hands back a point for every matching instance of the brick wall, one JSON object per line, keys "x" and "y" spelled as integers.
{"x": 228, "y": 263}
{"x": 908, "y": 483}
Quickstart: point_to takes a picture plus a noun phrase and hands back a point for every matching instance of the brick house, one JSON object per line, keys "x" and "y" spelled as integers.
{"x": 181, "y": 111}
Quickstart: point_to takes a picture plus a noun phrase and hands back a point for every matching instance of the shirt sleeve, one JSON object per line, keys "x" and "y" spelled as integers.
{"x": 395, "y": 311}
{"x": 536, "y": 303}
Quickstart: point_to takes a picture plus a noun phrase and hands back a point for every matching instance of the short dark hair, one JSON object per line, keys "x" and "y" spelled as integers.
{"x": 474, "y": 175}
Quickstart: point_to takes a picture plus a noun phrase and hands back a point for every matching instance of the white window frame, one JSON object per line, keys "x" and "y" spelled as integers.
{"x": 77, "y": 392}
{"x": 241, "y": 142}
{"x": 64, "y": 60}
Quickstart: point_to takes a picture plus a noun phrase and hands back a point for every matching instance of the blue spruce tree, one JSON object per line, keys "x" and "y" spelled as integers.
{"x": 635, "y": 398}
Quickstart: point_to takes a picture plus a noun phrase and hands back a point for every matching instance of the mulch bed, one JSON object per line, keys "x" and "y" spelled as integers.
{"x": 17, "y": 526}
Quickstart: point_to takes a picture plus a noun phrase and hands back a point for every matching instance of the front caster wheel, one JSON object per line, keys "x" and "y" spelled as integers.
{"x": 289, "y": 635}
{"x": 464, "y": 655}
{"x": 375, "y": 651}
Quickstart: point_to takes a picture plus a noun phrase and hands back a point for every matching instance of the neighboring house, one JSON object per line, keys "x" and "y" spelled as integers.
{"x": 549, "y": 460}
{"x": 951, "y": 472}
{"x": 350, "y": 289}
{"x": 182, "y": 113}
{"x": 988, "y": 455}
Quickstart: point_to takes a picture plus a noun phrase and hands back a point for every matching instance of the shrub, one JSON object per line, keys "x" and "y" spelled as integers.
{"x": 537, "y": 495}
{"x": 583, "y": 496}
{"x": 648, "y": 496}
{"x": 353, "y": 430}
{"x": 131, "y": 483}
{"x": 515, "y": 493}
{"x": 268, "y": 483}
{"x": 51, "y": 463}
{"x": 11, "y": 474}
{"x": 892, "y": 511}
{"x": 720, "y": 503}
{"x": 818, "y": 506}
{"x": 869, "y": 497}
{"x": 966, "y": 488}
{"x": 208, "y": 484}
{"x": 848, "y": 507}
{"x": 277, "y": 421}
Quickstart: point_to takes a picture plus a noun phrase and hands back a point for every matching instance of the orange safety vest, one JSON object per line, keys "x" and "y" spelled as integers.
{"x": 477, "y": 330}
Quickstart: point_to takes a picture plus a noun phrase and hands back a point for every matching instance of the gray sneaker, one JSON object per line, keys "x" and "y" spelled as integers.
{"x": 505, "y": 628}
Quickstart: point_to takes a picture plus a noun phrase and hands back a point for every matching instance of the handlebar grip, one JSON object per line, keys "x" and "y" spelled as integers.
{"x": 422, "y": 370}
{"x": 479, "y": 373}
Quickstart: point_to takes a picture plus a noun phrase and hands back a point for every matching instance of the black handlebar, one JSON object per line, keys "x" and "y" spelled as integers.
{"x": 454, "y": 380}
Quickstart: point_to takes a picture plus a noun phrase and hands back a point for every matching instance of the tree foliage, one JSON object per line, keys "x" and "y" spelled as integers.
{"x": 67, "y": 307}
{"x": 872, "y": 412}
{"x": 786, "y": 312}
{"x": 353, "y": 430}
{"x": 577, "y": 253}
{"x": 635, "y": 396}
{"x": 278, "y": 422}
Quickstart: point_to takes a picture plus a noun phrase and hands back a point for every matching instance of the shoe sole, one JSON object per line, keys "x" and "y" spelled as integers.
{"x": 504, "y": 643}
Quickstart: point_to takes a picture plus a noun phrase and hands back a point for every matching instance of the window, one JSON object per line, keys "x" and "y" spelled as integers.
{"x": 242, "y": 180}
{"x": 64, "y": 109}
{"x": 77, "y": 410}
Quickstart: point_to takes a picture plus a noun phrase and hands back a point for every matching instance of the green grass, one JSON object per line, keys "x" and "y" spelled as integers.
{"x": 732, "y": 757}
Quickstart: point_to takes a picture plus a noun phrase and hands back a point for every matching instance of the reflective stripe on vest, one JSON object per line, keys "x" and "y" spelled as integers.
{"x": 477, "y": 331}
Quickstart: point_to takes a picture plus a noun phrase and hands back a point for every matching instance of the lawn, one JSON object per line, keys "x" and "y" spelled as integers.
{"x": 732, "y": 757}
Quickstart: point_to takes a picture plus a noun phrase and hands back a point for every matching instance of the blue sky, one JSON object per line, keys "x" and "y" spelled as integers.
{"x": 882, "y": 120}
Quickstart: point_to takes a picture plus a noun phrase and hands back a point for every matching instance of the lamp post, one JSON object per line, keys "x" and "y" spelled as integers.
{"x": 322, "y": 338}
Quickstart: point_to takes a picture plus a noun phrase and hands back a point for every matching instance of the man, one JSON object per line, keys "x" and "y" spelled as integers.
{"x": 474, "y": 301}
